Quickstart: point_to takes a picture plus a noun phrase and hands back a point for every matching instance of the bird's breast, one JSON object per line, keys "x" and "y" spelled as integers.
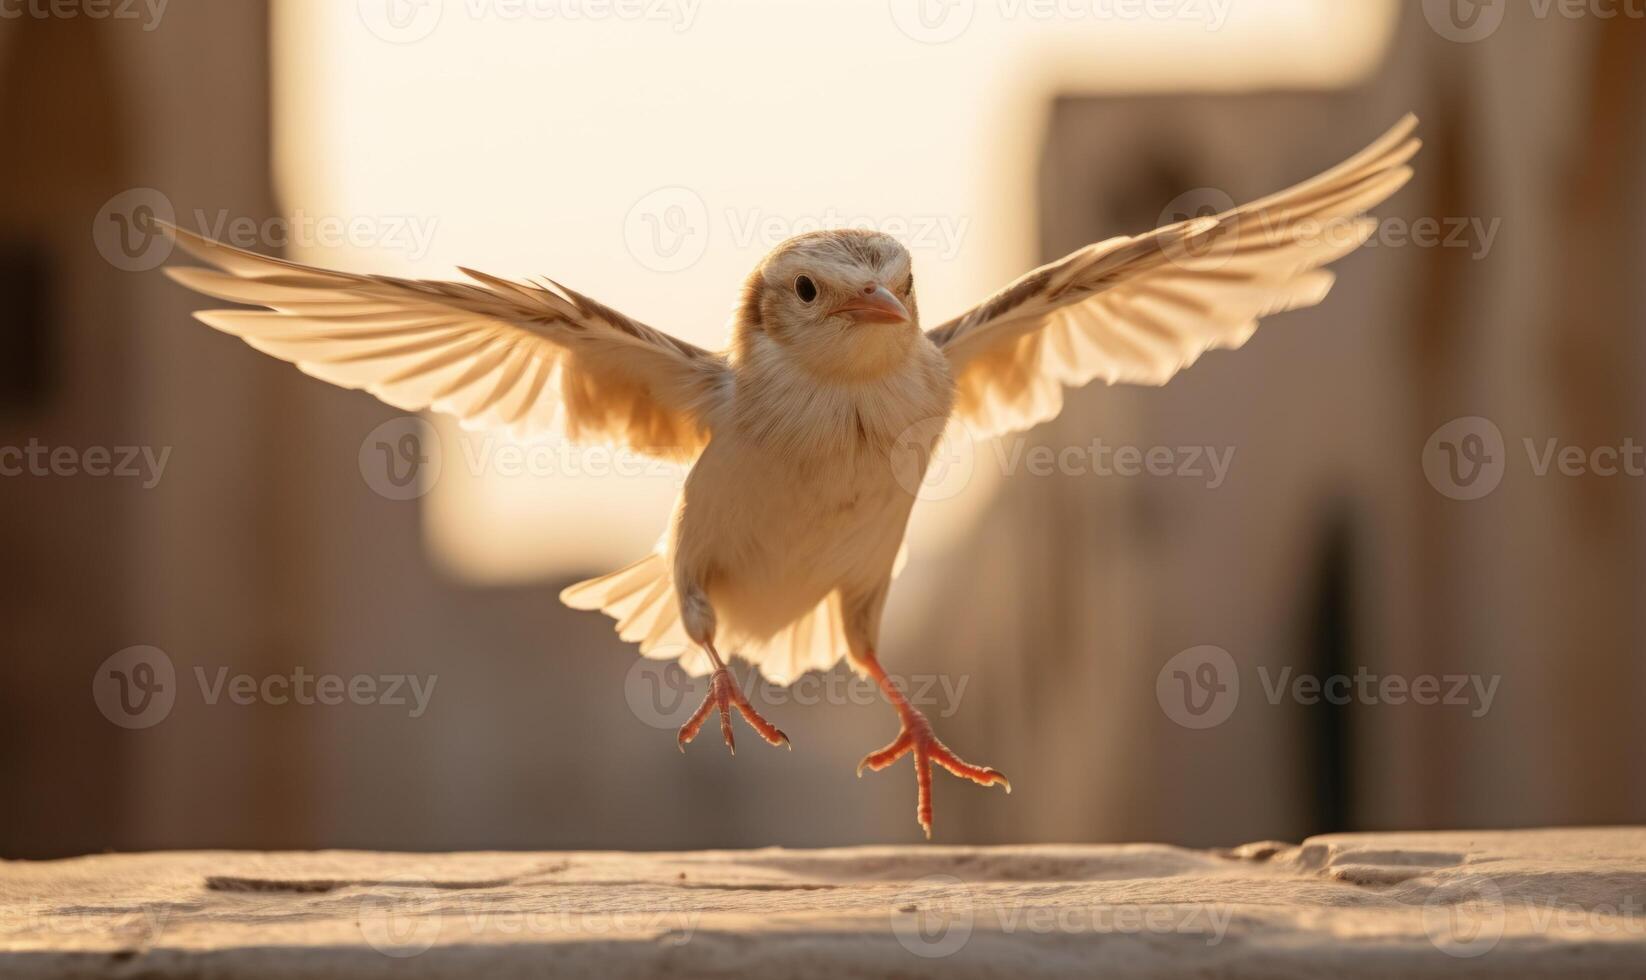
{"x": 803, "y": 419}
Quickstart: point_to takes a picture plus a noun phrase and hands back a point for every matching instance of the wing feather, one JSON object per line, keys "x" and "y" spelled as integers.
{"x": 522, "y": 358}
{"x": 1138, "y": 310}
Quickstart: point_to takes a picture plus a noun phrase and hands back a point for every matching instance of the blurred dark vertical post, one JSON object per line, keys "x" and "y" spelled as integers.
{"x": 62, "y": 583}
{"x": 1597, "y": 350}
{"x": 1330, "y": 651}
{"x": 26, "y": 351}
{"x": 167, "y": 103}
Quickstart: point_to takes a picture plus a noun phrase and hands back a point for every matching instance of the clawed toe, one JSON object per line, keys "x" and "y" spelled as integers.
{"x": 724, "y": 695}
{"x": 981, "y": 775}
{"x": 876, "y": 761}
{"x": 917, "y": 737}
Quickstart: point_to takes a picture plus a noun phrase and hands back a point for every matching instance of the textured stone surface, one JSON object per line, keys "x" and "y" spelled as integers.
{"x": 1552, "y": 902}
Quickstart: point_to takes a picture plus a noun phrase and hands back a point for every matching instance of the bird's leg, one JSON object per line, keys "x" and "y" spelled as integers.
{"x": 916, "y": 736}
{"x": 725, "y": 695}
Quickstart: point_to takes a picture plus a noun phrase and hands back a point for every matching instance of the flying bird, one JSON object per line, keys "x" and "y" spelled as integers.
{"x": 785, "y": 538}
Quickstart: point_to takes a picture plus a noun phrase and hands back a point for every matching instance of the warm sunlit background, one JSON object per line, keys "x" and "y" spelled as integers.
{"x": 648, "y": 154}
{"x": 529, "y": 142}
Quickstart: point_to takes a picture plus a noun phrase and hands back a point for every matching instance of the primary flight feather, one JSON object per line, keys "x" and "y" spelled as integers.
{"x": 785, "y": 538}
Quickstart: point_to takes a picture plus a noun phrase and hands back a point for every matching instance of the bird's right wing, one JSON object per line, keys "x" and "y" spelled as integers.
{"x": 521, "y": 358}
{"x": 1137, "y": 310}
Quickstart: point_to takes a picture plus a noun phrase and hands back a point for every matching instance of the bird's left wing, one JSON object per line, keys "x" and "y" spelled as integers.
{"x": 1138, "y": 310}
{"x": 514, "y": 357}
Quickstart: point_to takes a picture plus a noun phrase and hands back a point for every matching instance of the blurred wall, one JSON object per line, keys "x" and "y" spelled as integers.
{"x": 1327, "y": 551}
{"x": 264, "y": 550}
{"x": 95, "y": 108}
{"x": 68, "y": 565}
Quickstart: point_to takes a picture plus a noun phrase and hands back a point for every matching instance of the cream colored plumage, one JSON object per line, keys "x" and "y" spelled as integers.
{"x": 787, "y": 532}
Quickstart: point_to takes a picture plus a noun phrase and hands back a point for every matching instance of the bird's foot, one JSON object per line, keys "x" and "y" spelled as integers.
{"x": 725, "y": 695}
{"x": 917, "y": 737}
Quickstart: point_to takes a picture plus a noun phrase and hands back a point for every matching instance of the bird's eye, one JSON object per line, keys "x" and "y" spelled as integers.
{"x": 908, "y": 290}
{"x": 805, "y": 289}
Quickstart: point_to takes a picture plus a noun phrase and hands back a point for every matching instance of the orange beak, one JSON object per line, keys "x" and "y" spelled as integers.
{"x": 875, "y": 303}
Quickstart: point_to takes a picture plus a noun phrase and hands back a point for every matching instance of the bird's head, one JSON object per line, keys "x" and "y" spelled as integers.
{"x": 839, "y": 303}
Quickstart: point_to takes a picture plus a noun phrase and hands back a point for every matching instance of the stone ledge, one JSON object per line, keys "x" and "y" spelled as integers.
{"x": 1490, "y": 903}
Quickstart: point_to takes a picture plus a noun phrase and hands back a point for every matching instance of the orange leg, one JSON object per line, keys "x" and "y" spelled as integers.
{"x": 917, "y": 736}
{"x": 725, "y": 695}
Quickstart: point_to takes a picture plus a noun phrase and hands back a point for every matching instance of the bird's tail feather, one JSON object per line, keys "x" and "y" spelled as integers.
{"x": 642, "y": 599}
{"x": 815, "y": 641}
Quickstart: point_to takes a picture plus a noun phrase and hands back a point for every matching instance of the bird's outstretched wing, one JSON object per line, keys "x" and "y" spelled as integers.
{"x": 1138, "y": 310}
{"x": 521, "y": 358}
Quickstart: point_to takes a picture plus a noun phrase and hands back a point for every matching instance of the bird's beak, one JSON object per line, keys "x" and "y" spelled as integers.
{"x": 875, "y": 304}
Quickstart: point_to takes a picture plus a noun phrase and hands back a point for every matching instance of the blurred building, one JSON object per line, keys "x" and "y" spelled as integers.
{"x": 1324, "y": 551}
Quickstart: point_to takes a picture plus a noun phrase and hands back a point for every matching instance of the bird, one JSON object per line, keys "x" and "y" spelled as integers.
{"x": 807, "y": 436}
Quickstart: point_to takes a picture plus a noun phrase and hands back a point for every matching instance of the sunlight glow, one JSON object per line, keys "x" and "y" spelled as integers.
{"x": 650, "y": 163}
